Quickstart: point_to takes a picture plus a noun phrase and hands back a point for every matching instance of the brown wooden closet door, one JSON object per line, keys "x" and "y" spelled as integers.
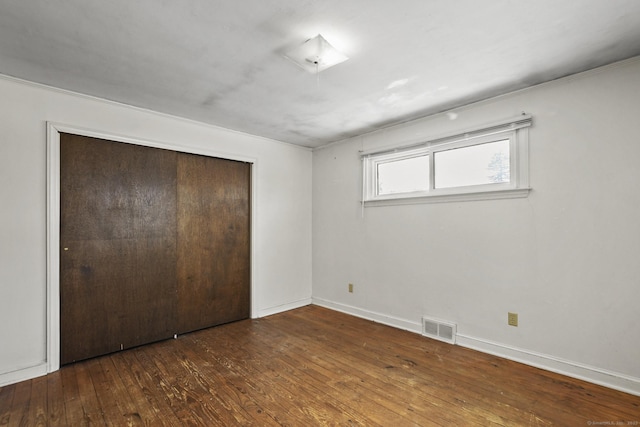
{"x": 118, "y": 246}
{"x": 213, "y": 241}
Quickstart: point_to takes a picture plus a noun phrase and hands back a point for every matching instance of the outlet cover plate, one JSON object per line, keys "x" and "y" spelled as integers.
{"x": 512, "y": 319}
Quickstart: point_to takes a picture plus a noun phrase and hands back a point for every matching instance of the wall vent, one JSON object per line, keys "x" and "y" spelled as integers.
{"x": 439, "y": 330}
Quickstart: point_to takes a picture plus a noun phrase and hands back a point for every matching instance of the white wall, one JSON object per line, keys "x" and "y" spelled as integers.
{"x": 566, "y": 259}
{"x": 281, "y": 238}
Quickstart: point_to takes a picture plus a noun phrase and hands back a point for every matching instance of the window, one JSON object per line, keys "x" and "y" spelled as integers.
{"x": 482, "y": 164}
{"x": 405, "y": 174}
{"x": 478, "y": 164}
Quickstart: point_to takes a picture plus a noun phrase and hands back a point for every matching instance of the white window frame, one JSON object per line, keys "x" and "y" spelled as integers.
{"x": 515, "y": 130}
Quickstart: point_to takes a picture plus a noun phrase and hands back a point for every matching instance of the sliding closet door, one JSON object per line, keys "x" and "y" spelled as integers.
{"x": 213, "y": 262}
{"x": 118, "y": 246}
{"x": 152, "y": 243}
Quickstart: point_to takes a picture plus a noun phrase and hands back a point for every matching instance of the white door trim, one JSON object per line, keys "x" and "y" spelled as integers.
{"x": 53, "y": 219}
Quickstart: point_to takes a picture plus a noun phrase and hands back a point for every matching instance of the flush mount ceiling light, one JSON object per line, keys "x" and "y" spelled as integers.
{"x": 316, "y": 55}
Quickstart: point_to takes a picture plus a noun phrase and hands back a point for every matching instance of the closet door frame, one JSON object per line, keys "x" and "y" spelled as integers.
{"x": 53, "y": 218}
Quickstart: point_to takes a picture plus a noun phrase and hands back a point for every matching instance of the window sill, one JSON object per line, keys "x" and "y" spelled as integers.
{"x": 512, "y": 193}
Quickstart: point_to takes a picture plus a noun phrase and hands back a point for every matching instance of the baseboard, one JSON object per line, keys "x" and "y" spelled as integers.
{"x": 614, "y": 380}
{"x": 23, "y": 374}
{"x": 610, "y": 379}
{"x": 370, "y": 315}
{"x": 592, "y": 374}
{"x": 283, "y": 307}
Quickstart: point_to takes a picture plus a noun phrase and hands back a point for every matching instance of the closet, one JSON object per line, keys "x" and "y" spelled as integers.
{"x": 153, "y": 243}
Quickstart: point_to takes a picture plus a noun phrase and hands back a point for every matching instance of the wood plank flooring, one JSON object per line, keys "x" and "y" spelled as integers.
{"x": 305, "y": 367}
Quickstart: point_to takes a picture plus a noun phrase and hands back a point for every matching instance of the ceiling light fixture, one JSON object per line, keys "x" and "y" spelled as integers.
{"x": 315, "y": 55}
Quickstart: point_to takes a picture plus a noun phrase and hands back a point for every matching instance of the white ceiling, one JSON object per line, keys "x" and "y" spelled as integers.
{"x": 222, "y": 61}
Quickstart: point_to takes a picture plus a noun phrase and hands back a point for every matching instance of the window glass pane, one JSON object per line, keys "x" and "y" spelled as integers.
{"x": 404, "y": 175}
{"x": 474, "y": 165}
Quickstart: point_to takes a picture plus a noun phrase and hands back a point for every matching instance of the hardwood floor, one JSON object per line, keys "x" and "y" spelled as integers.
{"x": 309, "y": 366}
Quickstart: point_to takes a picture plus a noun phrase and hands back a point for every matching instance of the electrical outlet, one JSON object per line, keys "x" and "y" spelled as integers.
{"x": 351, "y": 287}
{"x": 512, "y": 319}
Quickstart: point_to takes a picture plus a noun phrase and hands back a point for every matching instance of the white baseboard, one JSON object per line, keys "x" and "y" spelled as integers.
{"x": 592, "y": 374}
{"x": 263, "y": 312}
{"x": 23, "y": 374}
{"x": 370, "y": 315}
{"x": 610, "y": 379}
{"x": 614, "y": 380}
